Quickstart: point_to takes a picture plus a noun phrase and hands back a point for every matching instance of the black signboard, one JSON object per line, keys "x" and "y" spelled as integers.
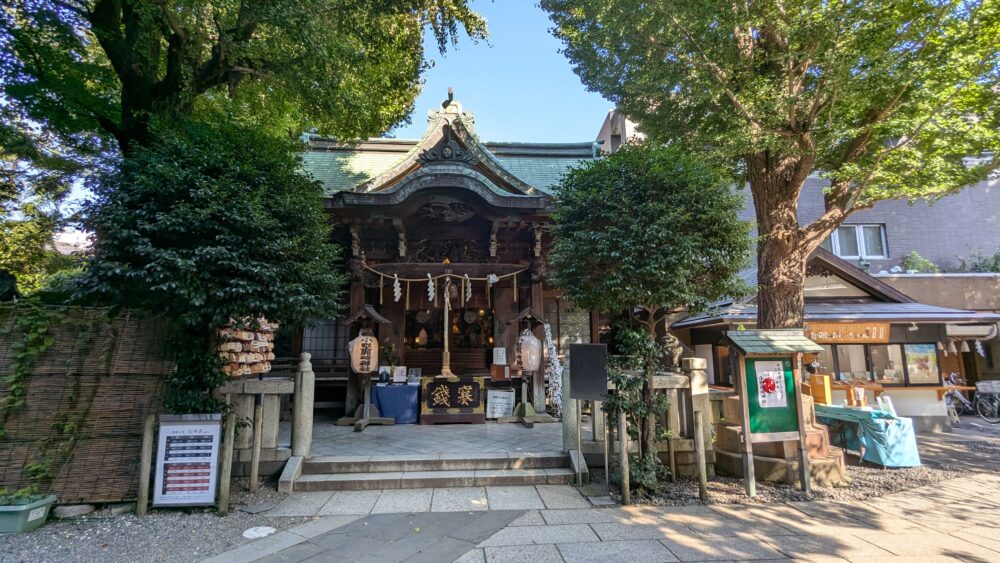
{"x": 453, "y": 395}
{"x": 588, "y": 371}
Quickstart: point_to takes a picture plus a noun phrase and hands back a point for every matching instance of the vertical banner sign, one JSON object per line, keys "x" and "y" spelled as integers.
{"x": 187, "y": 460}
{"x": 771, "y": 385}
{"x": 770, "y": 394}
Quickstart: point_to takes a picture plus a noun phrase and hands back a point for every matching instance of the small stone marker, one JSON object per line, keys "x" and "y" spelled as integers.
{"x": 602, "y": 501}
{"x": 258, "y": 508}
{"x": 258, "y": 532}
{"x": 73, "y": 510}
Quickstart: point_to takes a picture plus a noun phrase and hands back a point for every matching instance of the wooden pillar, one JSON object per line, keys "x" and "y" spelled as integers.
{"x": 357, "y": 301}
{"x": 537, "y": 305}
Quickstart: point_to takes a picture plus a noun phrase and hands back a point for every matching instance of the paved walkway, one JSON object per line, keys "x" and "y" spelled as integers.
{"x": 957, "y": 520}
{"x": 445, "y": 499}
{"x": 405, "y": 439}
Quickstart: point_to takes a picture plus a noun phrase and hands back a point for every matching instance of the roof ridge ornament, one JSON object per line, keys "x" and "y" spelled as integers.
{"x": 450, "y": 150}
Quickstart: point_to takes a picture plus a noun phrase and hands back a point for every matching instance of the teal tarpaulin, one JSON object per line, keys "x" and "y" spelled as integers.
{"x": 882, "y": 438}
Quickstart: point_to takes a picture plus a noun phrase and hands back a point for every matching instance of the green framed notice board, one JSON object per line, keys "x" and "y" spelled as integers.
{"x": 771, "y": 400}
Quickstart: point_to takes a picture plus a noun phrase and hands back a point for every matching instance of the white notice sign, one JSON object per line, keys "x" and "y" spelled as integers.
{"x": 500, "y": 356}
{"x": 187, "y": 460}
{"x": 771, "y": 385}
{"x": 499, "y": 403}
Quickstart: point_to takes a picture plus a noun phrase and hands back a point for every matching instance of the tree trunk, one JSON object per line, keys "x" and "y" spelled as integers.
{"x": 776, "y": 183}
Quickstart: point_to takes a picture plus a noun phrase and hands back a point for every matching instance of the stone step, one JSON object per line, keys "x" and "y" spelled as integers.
{"x": 433, "y": 462}
{"x": 428, "y": 479}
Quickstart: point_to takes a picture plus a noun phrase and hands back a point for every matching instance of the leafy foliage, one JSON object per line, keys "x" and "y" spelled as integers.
{"x": 35, "y": 179}
{"x": 981, "y": 263}
{"x": 884, "y": 99}
{"x": 653, "y": 229}
{"x": 32, "y": 322}
{"x": 90, "y": 70}
{"x": 212, "y": 223}
{"x": 915, "y": 262}
{"x": 648, "y": 227}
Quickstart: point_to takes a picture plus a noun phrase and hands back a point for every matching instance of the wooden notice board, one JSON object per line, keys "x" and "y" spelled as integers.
{"x": 771, "y": 401}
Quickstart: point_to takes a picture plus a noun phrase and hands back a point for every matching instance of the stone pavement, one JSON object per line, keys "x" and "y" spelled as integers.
{"x": 406, "y": 439}
{"x": 445, "y": 499}
{"x": 957, "y": 520}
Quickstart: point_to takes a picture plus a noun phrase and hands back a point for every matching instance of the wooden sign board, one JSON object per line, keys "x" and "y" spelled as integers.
{"x": 848, "y": 333}
{"x": 445, "y": 399}
{"x": 187, "y": 460}
{"x": 771, "y": 401}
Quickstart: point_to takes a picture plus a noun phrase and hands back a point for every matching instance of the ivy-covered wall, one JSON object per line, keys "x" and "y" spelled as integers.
{"x": 75, "y": 384}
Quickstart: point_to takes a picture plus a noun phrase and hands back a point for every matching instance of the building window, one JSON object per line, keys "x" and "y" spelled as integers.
{"x": 326, "y": 340}
{"x": 922, "y": 364}
{"x": 858, "y": 241}
{"x": 851, "y": 364}
{"x": 887, "y": 364}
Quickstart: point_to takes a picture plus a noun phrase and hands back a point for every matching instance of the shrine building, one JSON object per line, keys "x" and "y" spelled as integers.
{"x": 447, "y": 215}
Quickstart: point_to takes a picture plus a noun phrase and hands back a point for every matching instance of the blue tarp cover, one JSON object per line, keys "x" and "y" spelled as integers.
{"x": 887, "y": 440}
{"x": 399, "y": 402}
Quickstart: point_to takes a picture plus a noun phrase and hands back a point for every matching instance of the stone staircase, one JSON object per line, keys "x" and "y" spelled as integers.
{"x": 778, "y": 461}
{"x": 353, "y": 473}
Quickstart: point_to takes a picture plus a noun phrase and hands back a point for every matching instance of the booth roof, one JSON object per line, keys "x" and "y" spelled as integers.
{"x": 845, "y": 312}
{"x": 775, "y": 341}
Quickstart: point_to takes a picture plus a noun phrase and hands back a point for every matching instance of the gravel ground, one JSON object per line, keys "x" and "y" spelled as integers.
{"x": 174, "y": 535}
{"x": 866, "y": 482}
{"x": 976, "y": 424}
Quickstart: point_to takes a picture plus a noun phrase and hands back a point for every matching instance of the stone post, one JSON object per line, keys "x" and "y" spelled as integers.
{"x": 600, "y": 420}
{"x": 695, "y": 369}
{"x": 569, "y": 416}
{"x": 302, "y": 417}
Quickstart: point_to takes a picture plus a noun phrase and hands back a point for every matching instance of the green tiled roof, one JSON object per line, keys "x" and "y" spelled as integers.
{"x": 340, "y": 168}
{"x": 772, "y": 341}
{"x": 540, "y": 172}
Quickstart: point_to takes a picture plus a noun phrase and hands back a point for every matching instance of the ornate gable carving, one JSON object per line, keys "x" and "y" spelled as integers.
{"x": 448, "y": 150}
{"x": 449, "y": 139}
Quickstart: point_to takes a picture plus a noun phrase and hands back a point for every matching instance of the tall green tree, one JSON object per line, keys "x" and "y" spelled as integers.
{"x": 648, "y": 230}
{"x": 208, "y": 225}
{"x": 35, "y": 179}
{"x": 110, "y": 68}
{"x": 885, "y": 99}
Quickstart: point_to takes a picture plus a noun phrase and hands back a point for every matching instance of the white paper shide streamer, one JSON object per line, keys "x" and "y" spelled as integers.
{"x": 397, "y": 289}
{"x": 553, "y": 371}
{"x": 430, "y": 288}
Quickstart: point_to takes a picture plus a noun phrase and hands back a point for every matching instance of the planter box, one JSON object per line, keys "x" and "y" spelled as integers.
{"x": 16, "y": 518}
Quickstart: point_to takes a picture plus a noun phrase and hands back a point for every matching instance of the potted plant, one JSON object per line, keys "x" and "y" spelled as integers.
{"x": 24, "y": 509}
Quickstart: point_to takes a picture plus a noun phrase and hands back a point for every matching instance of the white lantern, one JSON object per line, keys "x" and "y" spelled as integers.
{"x": 364, "y": 354}
{"x": 529, "y": 351}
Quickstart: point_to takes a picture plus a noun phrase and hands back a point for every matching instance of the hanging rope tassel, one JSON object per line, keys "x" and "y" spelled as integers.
{"x": 381, "y": 285}
{"x": 515, "y": 290}
{"x": 407, "y": 296}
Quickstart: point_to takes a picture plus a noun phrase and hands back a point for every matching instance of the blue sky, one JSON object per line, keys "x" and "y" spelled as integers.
{"x": 518, "y": 85}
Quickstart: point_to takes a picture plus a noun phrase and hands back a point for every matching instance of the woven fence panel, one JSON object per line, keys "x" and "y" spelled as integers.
{"x": 85, "y": 401}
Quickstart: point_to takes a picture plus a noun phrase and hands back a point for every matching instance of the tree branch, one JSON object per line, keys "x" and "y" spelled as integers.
{"x": 722, "y": 80}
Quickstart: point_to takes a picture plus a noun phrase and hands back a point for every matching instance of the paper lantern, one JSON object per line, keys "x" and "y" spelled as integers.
{"x": 364, "y": 354}
{"x": 529, "y": 351}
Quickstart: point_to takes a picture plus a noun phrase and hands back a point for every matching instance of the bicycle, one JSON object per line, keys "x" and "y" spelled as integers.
{"x": 988, "y": 401}
{"x": 955, "y": 400}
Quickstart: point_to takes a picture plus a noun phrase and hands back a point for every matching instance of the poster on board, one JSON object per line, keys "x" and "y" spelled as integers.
{"x": 187, "y": 459}
{"x": 771, "y": 385}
